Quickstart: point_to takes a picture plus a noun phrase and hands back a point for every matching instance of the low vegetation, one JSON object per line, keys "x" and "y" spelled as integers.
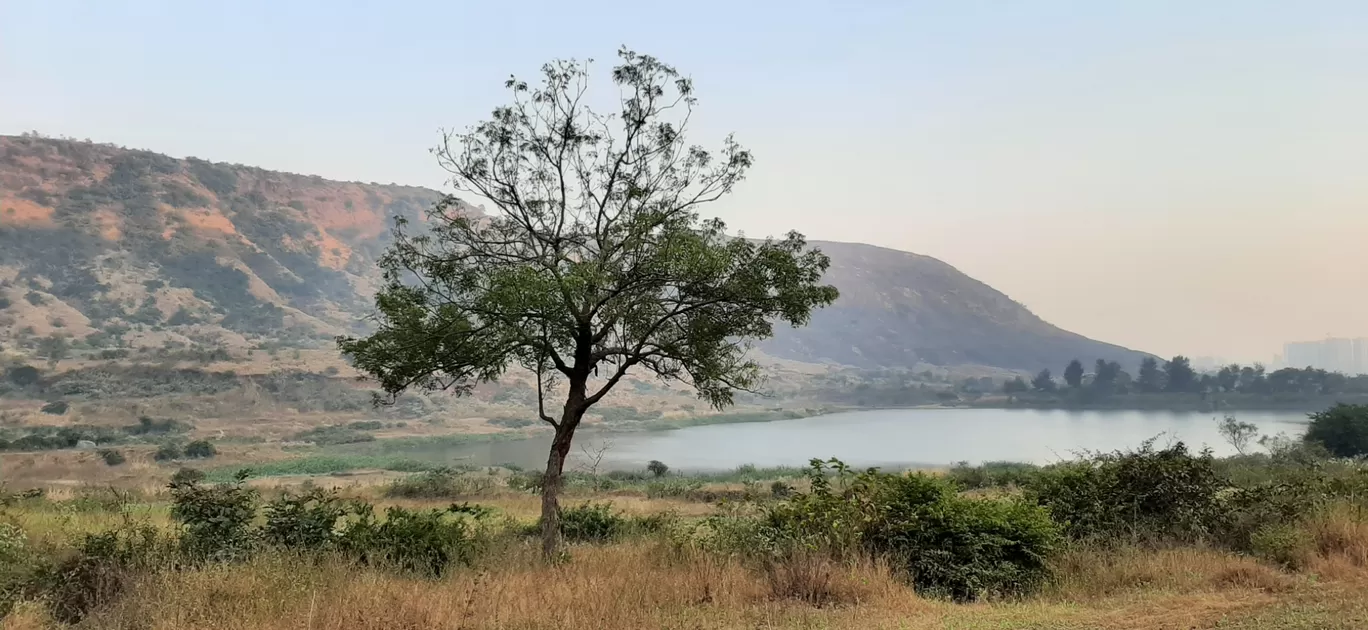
{"x": 1268, "y": 539}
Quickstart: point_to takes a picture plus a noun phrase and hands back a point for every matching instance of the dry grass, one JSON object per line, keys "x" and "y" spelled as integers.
{"x": 1093, "y": 574}
{"x": 639, "y": 586}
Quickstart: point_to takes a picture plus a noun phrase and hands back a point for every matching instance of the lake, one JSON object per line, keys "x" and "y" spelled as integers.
{"x": 893, "y": 438}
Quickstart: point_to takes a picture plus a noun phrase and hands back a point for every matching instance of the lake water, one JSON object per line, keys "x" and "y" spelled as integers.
{"x": 893, "y": 438}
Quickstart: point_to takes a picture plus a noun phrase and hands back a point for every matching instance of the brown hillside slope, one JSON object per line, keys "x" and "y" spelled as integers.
{"x": 112, "y": 248}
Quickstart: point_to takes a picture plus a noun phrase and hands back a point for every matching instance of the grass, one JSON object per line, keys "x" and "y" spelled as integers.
{"x": 643, "y": 582}
{"x": 319, "y": 465}
{"x": 638, "y": 585}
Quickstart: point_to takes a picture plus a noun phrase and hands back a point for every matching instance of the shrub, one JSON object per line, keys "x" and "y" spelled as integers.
{"x": 941, "y": 543}
{"x": 103, "y": 565}
{"x": 963, "y": 548}
{"x": 332, "y": 435}
{"x": 23, "y": 375}
{"x": 591, "y": 522}
{"x": 148, "y": 426}
{"x": 56, "y": 407}
{"x": 200, "y": 449}
{"x": 424, "y": 542}
{"x": 657, "y": 468}
{"x": 1282, "y": 543}
{"x": 442, "y": 483}
{"x": 366, "y": 425}
{"x": 305, "y": 521}
{"x": 1148, "y": 493}
{"x": 112, "y": 457}
{"x": 167, "y": 452}
{"x": 1342, "y": 430}
{"x": 215, "y": 519}
{"x": 187, "y": 476}
{"x": 991, "y": 474}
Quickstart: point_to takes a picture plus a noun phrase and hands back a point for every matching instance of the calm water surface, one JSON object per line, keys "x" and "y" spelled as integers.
{"x": 891, "y": 438}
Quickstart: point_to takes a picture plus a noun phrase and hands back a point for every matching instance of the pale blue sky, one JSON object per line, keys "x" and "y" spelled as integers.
{"x": 1094, "y": 160}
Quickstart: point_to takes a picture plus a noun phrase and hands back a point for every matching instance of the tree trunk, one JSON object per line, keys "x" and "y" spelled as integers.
{"x": 555, "y": 465}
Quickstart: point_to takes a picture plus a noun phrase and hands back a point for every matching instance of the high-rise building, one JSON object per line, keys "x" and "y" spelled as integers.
{"x": 1336, "y": 354}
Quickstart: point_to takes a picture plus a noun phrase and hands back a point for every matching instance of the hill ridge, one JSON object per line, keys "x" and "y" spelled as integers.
{"x": 113, "y": 249}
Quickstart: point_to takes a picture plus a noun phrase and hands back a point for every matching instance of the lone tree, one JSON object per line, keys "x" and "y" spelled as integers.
{"x": 593, "y": 262}
{"x": 1043, "y": 382}
{"x": 1073, "y": 374}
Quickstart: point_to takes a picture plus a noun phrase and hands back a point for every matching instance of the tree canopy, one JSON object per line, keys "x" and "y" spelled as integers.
{"x": 593, "y": 260}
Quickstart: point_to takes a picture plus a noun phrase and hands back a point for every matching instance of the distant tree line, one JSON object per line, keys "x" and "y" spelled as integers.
{"x": 1177, "y": 375}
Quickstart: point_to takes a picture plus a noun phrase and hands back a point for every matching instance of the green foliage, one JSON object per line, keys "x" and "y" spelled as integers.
{"x": 1015, "y": 386}
{"x": 991, "y": 475}
{"x": 215, "y": 519}
{"x": 1144, "y": 494}
{"x": 1043, "y": 382}
{"x": 592, "y": 522}
{"x": 23, "y": 375}
{"x": 1238, "y": 434}
{"x": 168, "y": 451}
{"x": 442, "y": 483}
{"x": 306, "y": 521}
{"x": 1283, "y": 543}
{"x": 657, "y": 468}
{"x": 1342, "y": 430}
{"x": 1073, "y": 374}
{"x": 187, "y": 476}
{"x": 103, "y": 566}
{"x": 942, "y": 543}
{"x": 1179, "y": 375}
{"x": 200, "y": 449}
{"x": 328, "y": 435}
{"x": 112, "y": 457}
{"x": 147, "y": 426}
{"x": 1150, "y": 379}
{"x": 418, "y": 541}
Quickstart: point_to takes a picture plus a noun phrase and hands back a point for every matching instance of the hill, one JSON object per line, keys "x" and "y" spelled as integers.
{"x": 901, "y": 309}
{"x": 106, "y": 250}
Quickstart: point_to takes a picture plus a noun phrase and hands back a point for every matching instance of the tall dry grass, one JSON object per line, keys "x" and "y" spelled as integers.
{"x": 641, "y": 585}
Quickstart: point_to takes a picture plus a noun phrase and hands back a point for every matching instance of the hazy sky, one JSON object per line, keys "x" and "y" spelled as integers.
{"x": 1174, "y": 176}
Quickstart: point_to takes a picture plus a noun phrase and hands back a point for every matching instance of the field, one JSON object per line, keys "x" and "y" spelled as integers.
{"x": 649, "y": 569}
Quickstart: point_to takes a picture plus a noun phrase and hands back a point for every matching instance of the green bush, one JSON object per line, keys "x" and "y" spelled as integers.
{"x": 1282, "y": 543}
{"x": 167, "y": 452}
{"x": 1145, "y": 494}
{"x": 305, "y": 521}
{"x": 991, "y": 474}
{"x": 592, "y": 522}
{"x": 102, "y": 567}
{"x": 215, "y": 519}
{"x": 1342, "y": 430}
{"x": 657, "y": 468}
{"x": 442, "y": 483}
{"x": 941, "y": 543}
{"x": 200, "y": 449}
{"x": 112, "y": 457}
{"x": 957, "y": 547}
{"x": 416, "y": 541}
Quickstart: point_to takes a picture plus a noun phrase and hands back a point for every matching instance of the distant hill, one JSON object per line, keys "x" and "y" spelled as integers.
{"x": 900, "y": 309}
{"x": 105, "y": 249}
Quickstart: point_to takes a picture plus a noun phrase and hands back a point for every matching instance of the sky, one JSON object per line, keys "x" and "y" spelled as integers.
{"x": 1178, "y": 177}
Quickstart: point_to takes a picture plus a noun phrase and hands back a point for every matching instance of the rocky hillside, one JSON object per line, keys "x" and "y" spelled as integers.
{"x": 116, "y": 247}
{"x": 105, "y": 250}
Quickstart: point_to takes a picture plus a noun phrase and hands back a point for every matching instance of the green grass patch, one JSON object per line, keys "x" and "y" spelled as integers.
{"x": 320, "y": 465}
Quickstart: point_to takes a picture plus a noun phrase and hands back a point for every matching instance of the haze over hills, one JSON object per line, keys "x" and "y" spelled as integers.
{"x": 112, "y": 247}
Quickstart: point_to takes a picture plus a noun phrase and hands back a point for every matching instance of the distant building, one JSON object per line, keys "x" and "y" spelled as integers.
{"x": 1336, "y": 354}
